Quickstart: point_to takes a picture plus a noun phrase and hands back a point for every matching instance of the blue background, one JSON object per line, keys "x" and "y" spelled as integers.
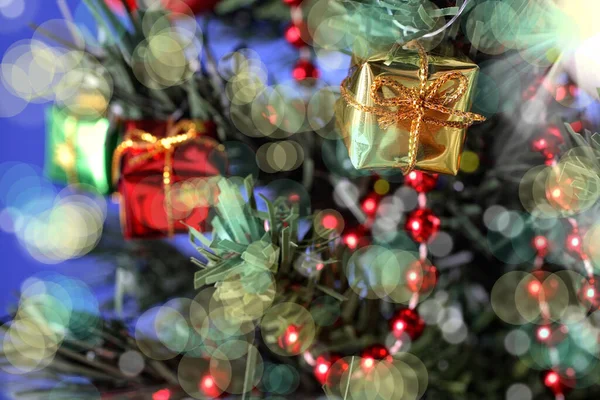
{"x": 22, "y": 140}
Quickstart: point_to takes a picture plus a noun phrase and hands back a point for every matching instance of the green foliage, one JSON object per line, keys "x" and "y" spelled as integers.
{"x": 123, "y": 55}
{"x": 240, "y": 243}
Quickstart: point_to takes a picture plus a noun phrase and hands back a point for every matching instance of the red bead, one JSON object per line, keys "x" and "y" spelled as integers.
{"x": 329, "y": 368}
{"x": 117, "y": 6}
{"x": 577, "y": 126}
{"x": 367, "y": 363}
{"x": 422, "y": 224}
{"x": 574, "y": 243}
{"x": 420, "y": 181}
{"x": 556, "y": 197}
{"x": 369, "y": 206}
{"x": 541, "y": 284}
{"x": 534, "y": 288}
{"x": 540, "y": 244}
{"x": 293, "y": 35}
{"x": 290, "y": 339}
{"x": 589, "y": 294}
{"x": 421, "y": 277}
{"x": 555, "y": 134}
{"x": 407, "y": 321}
{"x": 322, "y": 369}
{"x": 566, "y": 92}
{"x": 543, "y": 333}
{"x": 533, "y": 89}
{"x": 540, "y": 144}
{"x": 558, "y": 383}
{"x": 305, "y": 69}
{"x": 351, "y": 240}
{"x": 162, "y": 394}
{"x": 292, "y": 3}
{"x": 551, "y": 335}
{"x": 329, "y": 221}
{"x": 208, "y": 386}
{"x": 550, "y": 155}
{"x": 371, "y": 354}
{"x": 534, "y": 285}
{"x": 552, "y": 381}
{"x": 376, "y": 351}
{"x": 548, "y": 144}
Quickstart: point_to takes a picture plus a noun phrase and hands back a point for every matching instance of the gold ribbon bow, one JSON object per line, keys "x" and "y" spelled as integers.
{"x": 412, "y": 103}
{"x": 179, "y": 134}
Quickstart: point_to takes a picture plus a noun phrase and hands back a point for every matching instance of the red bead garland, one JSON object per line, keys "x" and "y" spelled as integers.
{"x": 297, "y": 34}
{"x": 421, "y": 181}
{"x": 544, "y": 286}
{"x": 422, "y": 224}
{"x": 407, "y": 321}
{"x": 421, "y": 277}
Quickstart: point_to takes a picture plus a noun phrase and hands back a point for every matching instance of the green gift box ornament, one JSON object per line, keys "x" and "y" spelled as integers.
{"x": 79, "y": 150}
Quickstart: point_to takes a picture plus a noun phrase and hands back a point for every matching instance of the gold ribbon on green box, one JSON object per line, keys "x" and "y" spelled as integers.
{"x": 394, "y": 114}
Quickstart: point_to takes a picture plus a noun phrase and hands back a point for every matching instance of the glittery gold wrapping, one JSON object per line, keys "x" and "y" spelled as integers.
{"x": 372, "y": 147}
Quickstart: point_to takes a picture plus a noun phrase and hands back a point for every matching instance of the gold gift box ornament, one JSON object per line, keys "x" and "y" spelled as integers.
{"x": 394, "y": 114}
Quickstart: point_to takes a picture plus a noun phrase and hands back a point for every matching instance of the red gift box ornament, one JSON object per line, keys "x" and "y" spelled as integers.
{"x": 150, "y": 164}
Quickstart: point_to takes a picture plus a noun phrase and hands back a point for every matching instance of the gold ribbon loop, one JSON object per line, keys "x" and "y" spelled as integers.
{"x": 411, "y": 104}
{"x": 181, "y": 133}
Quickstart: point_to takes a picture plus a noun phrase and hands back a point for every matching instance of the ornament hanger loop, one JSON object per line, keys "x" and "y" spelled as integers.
{"x": 437, "y": 31}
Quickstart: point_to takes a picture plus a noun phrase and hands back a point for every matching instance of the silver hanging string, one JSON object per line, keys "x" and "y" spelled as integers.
{"x": 412, "y": 29}
{"x": 452, "y": 20}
